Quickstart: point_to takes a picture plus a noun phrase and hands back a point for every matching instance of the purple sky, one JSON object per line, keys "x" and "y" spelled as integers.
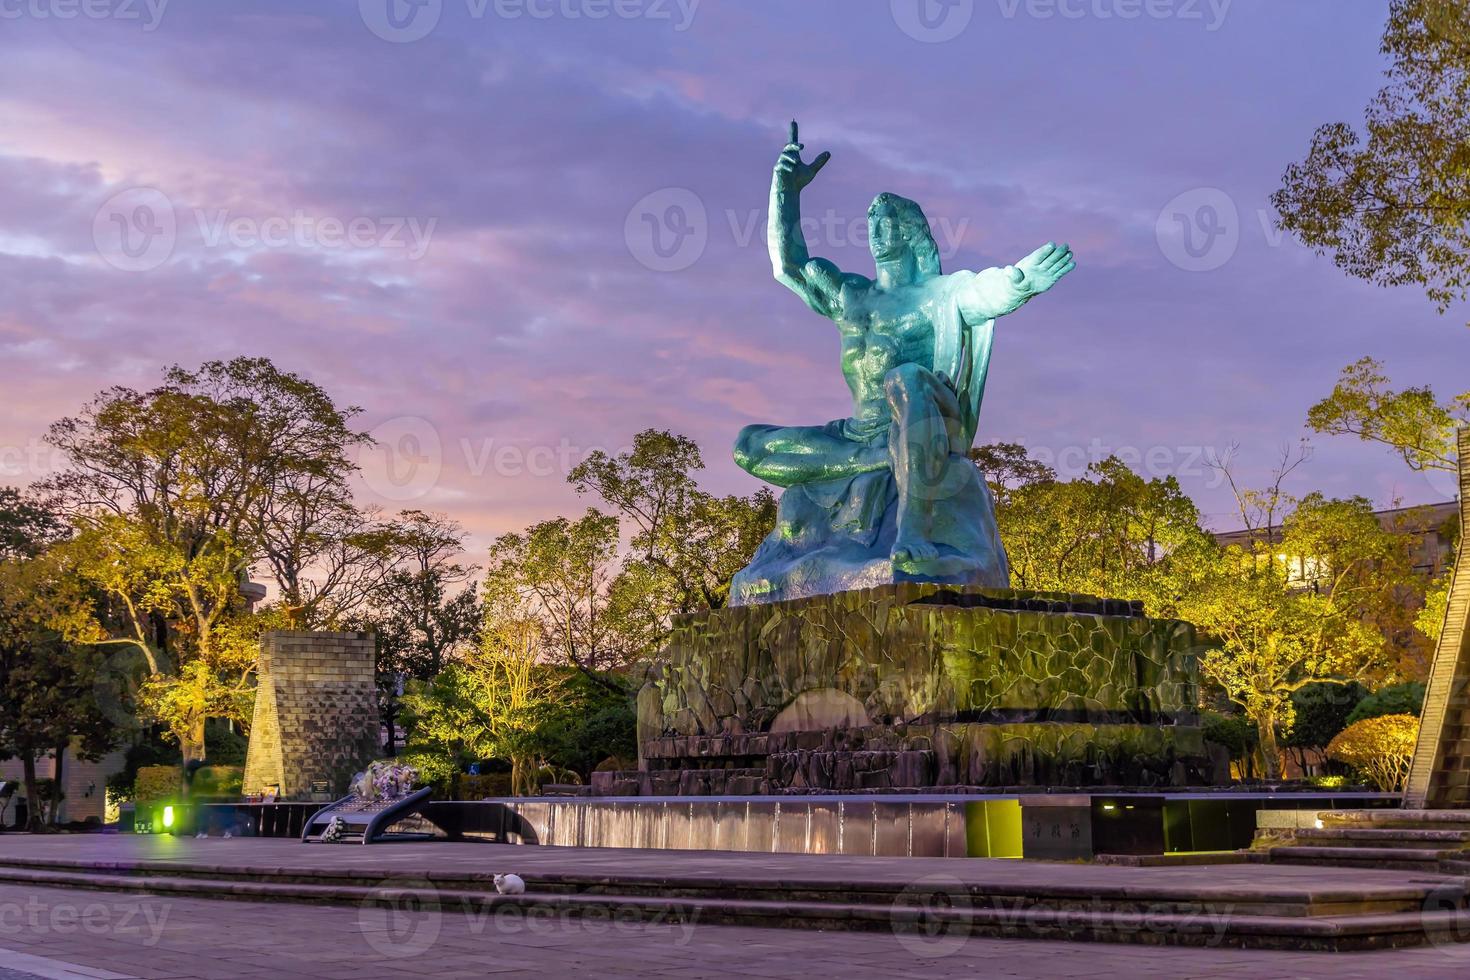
{"x": 454, "y": 231}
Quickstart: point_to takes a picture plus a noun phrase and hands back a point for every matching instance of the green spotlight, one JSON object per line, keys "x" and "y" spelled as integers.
{"x": 168, "y": 817}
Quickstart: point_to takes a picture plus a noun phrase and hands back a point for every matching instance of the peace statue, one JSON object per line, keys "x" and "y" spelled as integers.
{"x": 888, "y": 494}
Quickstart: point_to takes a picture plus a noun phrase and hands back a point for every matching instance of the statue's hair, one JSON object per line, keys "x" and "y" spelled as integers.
{"x": 915, "y": 228}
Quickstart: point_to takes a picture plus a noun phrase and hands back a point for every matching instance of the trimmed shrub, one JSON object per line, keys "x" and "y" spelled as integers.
{"x": 224, "y": 781}
{"x": 157, "y": 784}
{"x": 1381, "y": 748}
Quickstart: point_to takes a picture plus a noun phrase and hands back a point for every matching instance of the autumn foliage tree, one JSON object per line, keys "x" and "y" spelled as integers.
{"x": 1381, "y": 748}
{"x": 174, "y": 493}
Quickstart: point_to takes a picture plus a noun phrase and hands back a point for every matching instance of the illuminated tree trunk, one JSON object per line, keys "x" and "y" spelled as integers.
{"x": 191, "y": 741}
{"x": 1270, "y": 751}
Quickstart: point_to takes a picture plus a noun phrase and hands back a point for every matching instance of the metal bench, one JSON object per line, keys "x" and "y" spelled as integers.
{"x": 366, "y": 821}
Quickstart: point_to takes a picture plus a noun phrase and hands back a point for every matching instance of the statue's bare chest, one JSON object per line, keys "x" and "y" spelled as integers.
{"x": 883, "y": 330}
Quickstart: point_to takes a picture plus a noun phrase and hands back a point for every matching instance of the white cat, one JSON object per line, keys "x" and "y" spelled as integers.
{"x": 510, "y": 885}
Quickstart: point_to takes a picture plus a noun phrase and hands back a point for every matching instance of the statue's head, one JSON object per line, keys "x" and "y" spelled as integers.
{"x": 897, "y": 226}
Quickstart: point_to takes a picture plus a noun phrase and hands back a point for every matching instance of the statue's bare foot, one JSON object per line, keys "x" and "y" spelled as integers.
{"x": 917, "y": 556}
{"x": 909, "y": 550}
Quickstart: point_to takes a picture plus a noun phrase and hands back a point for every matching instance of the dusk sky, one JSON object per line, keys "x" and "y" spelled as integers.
{"x": 446, "y": 214}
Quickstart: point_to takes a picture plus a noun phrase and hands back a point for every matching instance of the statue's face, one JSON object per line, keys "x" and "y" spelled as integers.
{"x": 885, "y": 233}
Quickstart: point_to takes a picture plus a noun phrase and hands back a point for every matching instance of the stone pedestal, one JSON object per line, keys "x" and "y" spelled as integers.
{"x": 917, "y": 685}
{"x": 316, "y": 712}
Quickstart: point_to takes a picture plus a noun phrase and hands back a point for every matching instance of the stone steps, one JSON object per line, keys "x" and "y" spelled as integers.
{"x": 1401, "y": 837}
{"x": 1279, "y": 917}
{"x": 1394, "y": 858}
{"x": 1401, "y": 819}
{"x": 1404, "y": 840}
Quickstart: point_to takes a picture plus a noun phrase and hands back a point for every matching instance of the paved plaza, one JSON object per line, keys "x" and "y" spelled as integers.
{"x": 68, "y": 933}
{"x": 105, "y": 935}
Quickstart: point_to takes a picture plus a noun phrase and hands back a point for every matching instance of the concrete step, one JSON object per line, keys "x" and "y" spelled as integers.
{"x": 1417, "y": 838}
{"x": 1195, "y": 898}
{"x": 1406, "y": 819}
{"x": 1397, "y": 858}
{"x": 936, "y": 916}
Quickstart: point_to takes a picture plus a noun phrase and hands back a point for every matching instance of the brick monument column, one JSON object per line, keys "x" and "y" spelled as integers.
{"x": 316, "y": 712}
{"x": 1440, "y": 775}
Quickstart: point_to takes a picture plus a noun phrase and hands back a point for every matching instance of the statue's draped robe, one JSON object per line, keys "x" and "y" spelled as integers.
{"x": 835, "y": 534}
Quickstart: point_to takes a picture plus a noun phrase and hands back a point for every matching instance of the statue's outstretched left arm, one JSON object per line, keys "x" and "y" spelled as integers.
{"x": 996, "y": 292}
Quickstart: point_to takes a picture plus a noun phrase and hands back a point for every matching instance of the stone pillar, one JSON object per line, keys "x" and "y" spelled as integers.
{"x": 1440, "y": 775}
{"x": 316, "y": 712}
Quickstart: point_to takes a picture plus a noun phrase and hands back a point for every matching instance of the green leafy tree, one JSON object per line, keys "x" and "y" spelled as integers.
{"x": 1321, "y": 710}
{"x": 1412, "y": 422}
{"x": 494, "y": 702}
{"x": 1391, "y": 205}
{"x": 565, "y": 574}
{"x": 691, "y": 542}
{"x": 1110, "y": 533}
{"x": 1300, "y": 605}
{"x": 1406, "y": 698}
{"x": 1430, "y": 619}
{"x": 423, "y": 609}
{"x": 49, "y": 697}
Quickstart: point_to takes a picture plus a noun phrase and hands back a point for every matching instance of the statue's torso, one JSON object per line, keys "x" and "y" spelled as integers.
{"x": 882, "y": 329}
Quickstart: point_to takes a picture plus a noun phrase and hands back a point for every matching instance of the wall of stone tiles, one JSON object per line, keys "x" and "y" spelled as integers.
{"x": 316, "y": 712}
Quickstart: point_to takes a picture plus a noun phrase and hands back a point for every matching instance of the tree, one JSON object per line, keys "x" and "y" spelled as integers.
{"x": 422, "y": 610}
{"x": 175, "y": 492}
{"x": 1007, "y": 467}
{"x": 1303, "y": 604}
{"x": 694, "y": 541}
{"x": 1382, "y": 748}
{"x": 1412, "y": 422}
{"x": 1395, "y": 699}
{"x": 494, "y": 701}
{"x": 1430, "y": 619}
{"x": 1110, "y": 533}
{"x": 1392, "y": 206}
{"x": 566, "y": 577}
{"x": 1321, "y": 709}
{"x": 48, "y": 688}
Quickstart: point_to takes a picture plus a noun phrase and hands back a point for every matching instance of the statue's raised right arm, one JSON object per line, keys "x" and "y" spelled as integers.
{"x": 817, "y": 281}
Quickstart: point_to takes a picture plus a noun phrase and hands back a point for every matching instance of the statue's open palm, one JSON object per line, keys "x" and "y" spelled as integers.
{"x": 1044, "y": 268}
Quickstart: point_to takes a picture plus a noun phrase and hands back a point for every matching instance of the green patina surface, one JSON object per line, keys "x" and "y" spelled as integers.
{"x": 918, "y": 652}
